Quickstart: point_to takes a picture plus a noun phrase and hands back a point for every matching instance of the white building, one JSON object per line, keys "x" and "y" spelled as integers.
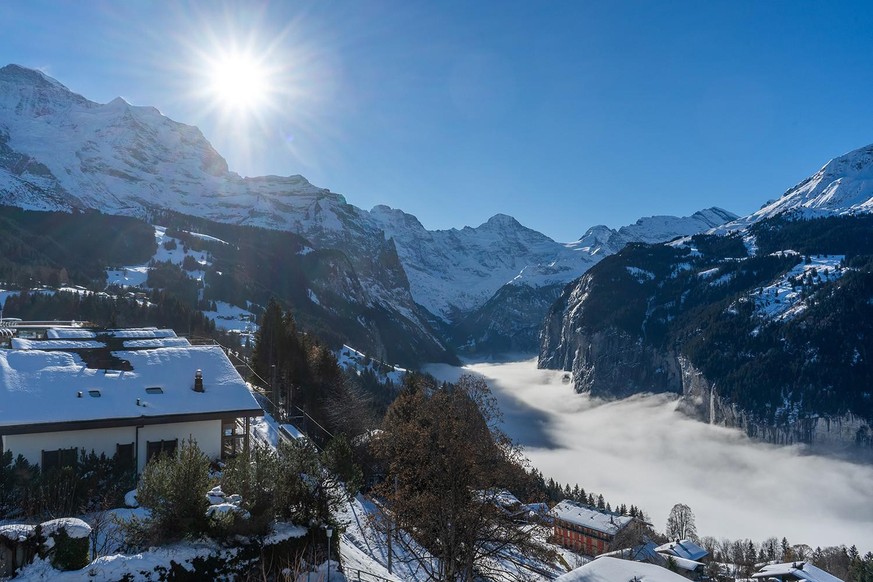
{"x": 133, "y": 392}
{"x": 794, "y": 571}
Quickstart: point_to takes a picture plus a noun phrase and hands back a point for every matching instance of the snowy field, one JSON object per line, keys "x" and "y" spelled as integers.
{"x": 641, "y": 451}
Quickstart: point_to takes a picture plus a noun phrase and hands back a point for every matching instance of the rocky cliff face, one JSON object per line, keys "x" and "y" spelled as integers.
{"x": 700, "y": 399}
{"x": 606, "y": 361}
{"x": 748, "y": 331}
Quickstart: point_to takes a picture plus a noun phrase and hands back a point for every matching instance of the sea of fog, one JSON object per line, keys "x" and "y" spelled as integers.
{"x": 641, "y": 451}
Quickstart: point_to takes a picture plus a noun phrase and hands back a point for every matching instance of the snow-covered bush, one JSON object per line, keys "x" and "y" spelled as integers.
{"x": 65, "y": 542}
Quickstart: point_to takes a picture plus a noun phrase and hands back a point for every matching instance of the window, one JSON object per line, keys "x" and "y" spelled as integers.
{"x": 124, "y": 455}
{"x": 94, "y": 393}
{"x": 154, "y": 390}
{"x": 59, "y": 458}
{"x": 231, "y": 438}
{"x": 154, "y": 448}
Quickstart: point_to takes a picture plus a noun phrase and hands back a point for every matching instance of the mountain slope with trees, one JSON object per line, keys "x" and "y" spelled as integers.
{"x": 775, "y": 341}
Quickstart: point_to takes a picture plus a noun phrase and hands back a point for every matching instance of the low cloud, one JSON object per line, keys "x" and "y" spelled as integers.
{"x": 641, "y": 451}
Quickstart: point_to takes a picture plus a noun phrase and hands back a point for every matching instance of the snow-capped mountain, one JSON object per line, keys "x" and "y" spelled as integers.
{"x": 60, "y": 151}
{"x": 456, "y": 271}
{"x": 844, "y": 185}
{"x": 759, "y": 324}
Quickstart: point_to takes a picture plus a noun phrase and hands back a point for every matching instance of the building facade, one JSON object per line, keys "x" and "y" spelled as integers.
{"x": 586, "y": 529}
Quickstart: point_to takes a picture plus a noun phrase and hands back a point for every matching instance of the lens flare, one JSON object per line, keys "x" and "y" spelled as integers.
{"x": 239, "y": 82}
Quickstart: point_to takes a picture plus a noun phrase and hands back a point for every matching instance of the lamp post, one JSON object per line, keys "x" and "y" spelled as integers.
{"x": 329, "y": 535}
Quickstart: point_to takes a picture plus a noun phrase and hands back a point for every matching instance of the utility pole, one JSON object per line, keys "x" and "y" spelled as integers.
{"x": 390, "y": 531}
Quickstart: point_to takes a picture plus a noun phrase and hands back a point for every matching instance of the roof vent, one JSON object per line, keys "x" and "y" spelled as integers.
{"x": 198, "y": 381}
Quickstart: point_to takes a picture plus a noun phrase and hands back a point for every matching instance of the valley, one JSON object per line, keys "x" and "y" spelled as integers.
{"x": 641, "y": 450}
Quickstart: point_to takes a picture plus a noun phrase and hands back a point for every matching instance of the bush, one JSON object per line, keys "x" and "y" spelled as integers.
{"x": 253, "y": 476}
{"x": 67, "y": 552}
{"x": 174, "y": 489}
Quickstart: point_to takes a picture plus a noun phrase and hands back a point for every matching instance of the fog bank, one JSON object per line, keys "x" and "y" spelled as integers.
{"x": 641, "y": 451}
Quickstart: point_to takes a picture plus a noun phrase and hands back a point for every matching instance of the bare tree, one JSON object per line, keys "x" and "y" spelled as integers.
{"x": 449, "y": 460}
{"x": 680, "y": 523}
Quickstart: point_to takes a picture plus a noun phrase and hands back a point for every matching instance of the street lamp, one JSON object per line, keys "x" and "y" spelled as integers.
{"x": 329, "y": 535}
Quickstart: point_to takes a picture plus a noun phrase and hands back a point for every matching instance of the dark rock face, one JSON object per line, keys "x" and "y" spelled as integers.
{"x": 509, "y": 322}
{"x": 772, "y": 343}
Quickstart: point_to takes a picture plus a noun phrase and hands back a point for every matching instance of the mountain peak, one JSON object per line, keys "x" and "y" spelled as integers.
{"x": 32, "y": 92}
{"x": 844, "y": 185}
{"x": 502, "y": 220}
{"x": 24, "y": 75}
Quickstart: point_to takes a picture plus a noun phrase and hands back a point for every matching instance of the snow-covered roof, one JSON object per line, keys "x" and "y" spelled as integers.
{"x": 137, "y": 333}
{"x": 41, "y": 386}
{"x": 795, "y": 571}
{"x": 684, "y": 563}
{"x": 586, "y": 516}
{"x": 606, "y": 569}
{"x": 645, "y": 552}
{"x": 683, "y": 549}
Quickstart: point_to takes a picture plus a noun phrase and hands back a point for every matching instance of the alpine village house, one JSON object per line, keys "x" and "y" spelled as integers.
{"x": 586, "y": 529}
{"x": 134, "y": 393}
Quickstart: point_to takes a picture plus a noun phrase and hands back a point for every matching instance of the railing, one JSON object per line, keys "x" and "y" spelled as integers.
{"x": 353, "y": 575}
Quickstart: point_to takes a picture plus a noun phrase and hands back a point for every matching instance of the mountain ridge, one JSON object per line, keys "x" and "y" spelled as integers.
{"x": 60, "y": 151}
{"x": 758, "y": 324}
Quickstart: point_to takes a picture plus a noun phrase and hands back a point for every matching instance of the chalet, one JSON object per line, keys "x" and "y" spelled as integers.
{"x": 792, "y": 572}
{"x": 684, "y": 556}
{"x": 129, "y": 392}
{"x": 685, "y": 549}
{"x": 585, "y": 529}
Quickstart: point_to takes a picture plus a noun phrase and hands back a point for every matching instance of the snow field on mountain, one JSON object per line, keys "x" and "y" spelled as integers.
{"x": 351, "y": 359}
{"x": 783, "y": 298}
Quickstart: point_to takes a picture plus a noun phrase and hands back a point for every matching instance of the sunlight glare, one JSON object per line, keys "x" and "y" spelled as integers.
{"x": 239, "y": 82}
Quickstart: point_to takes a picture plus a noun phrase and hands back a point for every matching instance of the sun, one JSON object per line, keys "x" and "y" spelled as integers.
{"x": 238, "y": 82}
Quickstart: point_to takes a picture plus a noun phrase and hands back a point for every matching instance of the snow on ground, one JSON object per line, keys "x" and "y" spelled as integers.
{"x": 4, "y": 294}
{"x": 351, "y": 359}
{"x": 782, "y": 299}
{"x": 136, "y": 275}
{"x": 265, "y": 429}
{"x": 133, "y": 276}
{"x": 232, "y": 318}
{"x": 206, "y": 237}
{"x": 608, "y": 569}
{"x": 132, "y": 567}
{"x": 365, "y": 547}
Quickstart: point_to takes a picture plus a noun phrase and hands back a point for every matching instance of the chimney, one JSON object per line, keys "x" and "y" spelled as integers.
{"x": 198, "y": 381}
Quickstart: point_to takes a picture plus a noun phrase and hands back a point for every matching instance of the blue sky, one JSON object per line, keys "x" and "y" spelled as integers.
{"x": 564, "y": 114}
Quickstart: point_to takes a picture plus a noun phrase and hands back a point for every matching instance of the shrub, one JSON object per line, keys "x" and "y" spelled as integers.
{"x": 66, "y": 542}
{"x": 174, "y": 489}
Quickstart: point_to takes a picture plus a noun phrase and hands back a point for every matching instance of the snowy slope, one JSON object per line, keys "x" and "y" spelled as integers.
{"x": 844, "y": 185}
